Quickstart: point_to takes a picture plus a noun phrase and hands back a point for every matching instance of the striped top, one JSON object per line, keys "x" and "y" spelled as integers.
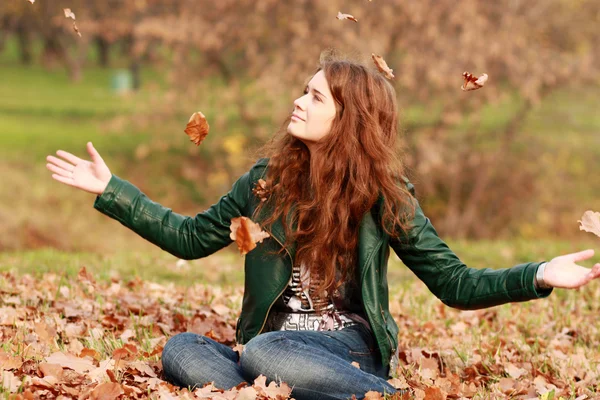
{"x": 295, "y": 308}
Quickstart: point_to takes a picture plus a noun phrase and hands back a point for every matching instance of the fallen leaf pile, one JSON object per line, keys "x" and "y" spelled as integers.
{"x": 82, "y": 338}
{"x": 197, "y": 128}
{"x": 246, "y": 234}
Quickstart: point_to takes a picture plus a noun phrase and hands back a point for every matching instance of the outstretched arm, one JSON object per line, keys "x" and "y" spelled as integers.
{"x": 184, "y": 237}
{"x": 459, "y": 286}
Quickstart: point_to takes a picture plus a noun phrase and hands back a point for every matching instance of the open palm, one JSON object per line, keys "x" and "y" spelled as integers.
{"x": 91, "y": 176}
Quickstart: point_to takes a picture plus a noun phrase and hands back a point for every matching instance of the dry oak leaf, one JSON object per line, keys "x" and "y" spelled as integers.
{"x": 197, "y": 128}
{"x": 246, "y": 234}
{"x": 473, "y": 83}
{"x": 373, "y": 395}
{"x": 106, "y": 391}
{"x": 69, "y": 13}
{"x": 382, "y": 66}
{"x": 76, "y": 29}
{"x": 273, "y": 391}
{"x": 70, "y": 361}
{"x": 346, "y": 16}
{"x": 590, "y": 222}
{"x": 260, "y": 190}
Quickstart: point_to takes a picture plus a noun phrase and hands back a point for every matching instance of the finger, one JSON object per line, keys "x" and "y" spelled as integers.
{"x": 69, "y": 157}
{"x": 582, "y": 255}
{"x": 595, "y": 272}
{"x": 60, "y": 171}
{"x": 64, "y": 180}
{"x": 60, "y": 163}
{"x": 93, "y": 152}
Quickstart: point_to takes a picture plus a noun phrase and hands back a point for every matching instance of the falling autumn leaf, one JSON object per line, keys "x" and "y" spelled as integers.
{"x": 590, "y": 222}
{"x": 473, "y": 83}
{"x": 197, "y": 128}
{"x": 246, "y": 233}
{"x": 69, "y": 13}
{"x": 346, "y": 16}
{"x": 382, "y": 66}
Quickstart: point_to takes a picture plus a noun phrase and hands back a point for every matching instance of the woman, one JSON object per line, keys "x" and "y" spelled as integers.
{"x": 316, "y": 294}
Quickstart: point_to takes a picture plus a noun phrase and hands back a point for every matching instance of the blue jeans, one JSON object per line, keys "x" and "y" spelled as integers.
{"x": 316, "y": 364}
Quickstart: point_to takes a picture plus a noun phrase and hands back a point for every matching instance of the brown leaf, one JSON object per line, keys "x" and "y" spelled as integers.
{"x": 76, "y": 29}
{"x": 590, "y": 222}
{"x": 260, "y": 190}
{"x": 9, "y": 381}
{"x": 273, "y": 391}
{"x": 197, "y": 128}
{"x": 373, "y": 395}
{"x": 69, "y": 13}
{"x": 106, "y": 391}
{"x": 246, "y": 234}
{"x": 67, "y": 360}
{"x": 238, "y": 348}
{"x": 433, "y": 393}
{"x": 382, "y": 66}
{"x": 346, "y": 16}
{"x": 473, "y": 83}
{"x": 54, "y": 370}
{"x": 9, "y": 362}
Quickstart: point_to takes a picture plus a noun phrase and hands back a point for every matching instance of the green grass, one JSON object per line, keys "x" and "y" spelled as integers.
{"x": 226, "y": 267}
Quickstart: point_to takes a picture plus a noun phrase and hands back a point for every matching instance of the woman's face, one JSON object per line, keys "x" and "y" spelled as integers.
{"x": 313, "y": 112}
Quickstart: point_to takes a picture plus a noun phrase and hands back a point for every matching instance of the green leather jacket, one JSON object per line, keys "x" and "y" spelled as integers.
{"x": 266, "y": 275}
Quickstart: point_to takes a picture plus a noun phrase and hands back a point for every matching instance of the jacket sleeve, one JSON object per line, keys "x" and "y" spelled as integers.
{"x": 183, "y": 236}
{"x": 455, "y": 284}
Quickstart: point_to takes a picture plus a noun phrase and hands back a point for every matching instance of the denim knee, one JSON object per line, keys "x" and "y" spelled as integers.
{"x": 170, "y": 350}
{"x": 257, "y": 350}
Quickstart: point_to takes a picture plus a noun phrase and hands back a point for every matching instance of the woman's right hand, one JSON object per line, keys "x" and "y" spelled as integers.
{"x": 91, "y": 176}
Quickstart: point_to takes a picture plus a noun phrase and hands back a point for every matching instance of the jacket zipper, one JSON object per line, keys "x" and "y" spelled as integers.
{"x": 282, "y": 290}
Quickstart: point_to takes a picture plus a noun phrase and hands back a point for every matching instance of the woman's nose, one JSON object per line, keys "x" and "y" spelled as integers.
{"x": 297, "y": 103}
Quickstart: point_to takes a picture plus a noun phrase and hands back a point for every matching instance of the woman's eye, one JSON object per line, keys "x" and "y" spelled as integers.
{"x": 316, "y": 98}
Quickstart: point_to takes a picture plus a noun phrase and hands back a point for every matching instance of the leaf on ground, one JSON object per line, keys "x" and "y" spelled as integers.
{"x": 67, "y": 360}
{"x": 9, "y": 381}
{"x": 9, "y": 362}
{"x": 106, "y": 391}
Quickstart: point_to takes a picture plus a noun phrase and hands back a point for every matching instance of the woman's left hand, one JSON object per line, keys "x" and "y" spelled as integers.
{"x": 563, "y": 272}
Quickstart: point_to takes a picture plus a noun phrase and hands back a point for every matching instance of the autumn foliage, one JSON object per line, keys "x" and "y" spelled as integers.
{"x": 86, "y": 338}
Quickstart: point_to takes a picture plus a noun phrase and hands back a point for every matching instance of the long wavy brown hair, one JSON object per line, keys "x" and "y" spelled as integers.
{"x": 330, "y": 190}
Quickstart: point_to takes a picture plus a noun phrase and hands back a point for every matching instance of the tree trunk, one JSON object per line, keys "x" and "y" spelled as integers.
{"x": 103, "y": 52}
{"x": 24, "y": 43}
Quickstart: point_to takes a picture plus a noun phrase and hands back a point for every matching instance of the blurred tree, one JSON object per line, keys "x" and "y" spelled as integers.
{"x": 261, "y": 51}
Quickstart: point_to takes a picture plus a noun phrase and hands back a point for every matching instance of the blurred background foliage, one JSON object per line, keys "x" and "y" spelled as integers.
{"x": 517, "y": 160}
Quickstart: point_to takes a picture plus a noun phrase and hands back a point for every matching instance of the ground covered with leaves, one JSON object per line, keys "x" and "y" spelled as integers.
{"x": 81, "y": 338}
